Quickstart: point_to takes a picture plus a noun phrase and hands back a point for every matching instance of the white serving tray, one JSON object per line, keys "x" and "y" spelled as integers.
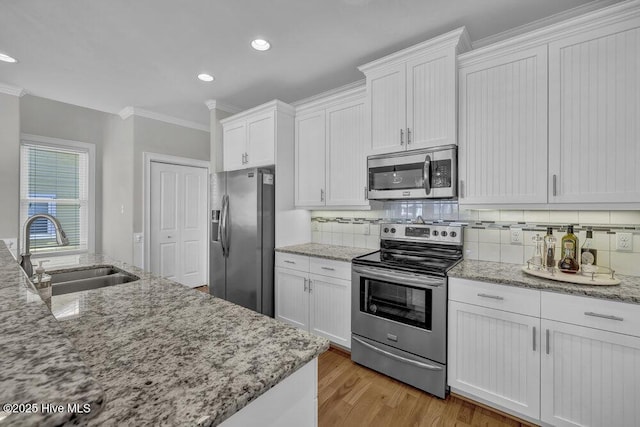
{"x": 591, "y": 279}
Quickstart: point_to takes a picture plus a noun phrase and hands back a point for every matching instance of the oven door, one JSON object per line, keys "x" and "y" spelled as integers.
{"x": 403, "y": 310}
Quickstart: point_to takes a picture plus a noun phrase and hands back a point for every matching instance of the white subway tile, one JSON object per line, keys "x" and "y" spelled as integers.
{"x": 512, "y": 254}
{"x": 505, "y": 237}
{"x": 325, "y": 237}
{"x": 604, "y": 258}
{"x": 488, "y": 215}
{"x": 325, "y": 227}
{"x": 374, "y": 230}
{"x": 625, "y": 217}
{"x": 336, "y": 227}
{"x": 471, "y": 250}
{"x": 373, "y": 242}
{"x": 471, "y": 235}
{"x": 626, "y": 263}
{"x": 468, "y": 215}
{"x": 594, "y": 217}
{"x": 563, "y": 217}
{"x": 347, "y": 239}
{"x": 336, "y": 239}
{"x": 489, "y": 236}
{"x": 358, "y": 228}
{"x": 316, "y": 237}
{"x": 512, "y": 216}
{"x": 489, "y": 252}
{"x": 359, "y": 241}
{"x": 347, "y": 228}
{"x": 536, "y": 217}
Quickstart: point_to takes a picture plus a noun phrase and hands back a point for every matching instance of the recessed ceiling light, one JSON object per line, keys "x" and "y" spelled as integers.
{"x": 206, "y": 77}
{"x": 260, "y": 44}
{"x": 7, "y": 58}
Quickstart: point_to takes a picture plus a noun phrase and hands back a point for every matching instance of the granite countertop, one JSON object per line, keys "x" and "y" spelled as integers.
{"x": 167, "y": 354}
{"x": 511, "y": 274}
{"x": 38, "y": 363}
{"x": 338, "y": 253}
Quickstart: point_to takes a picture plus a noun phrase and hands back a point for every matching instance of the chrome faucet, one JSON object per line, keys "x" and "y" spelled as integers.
{"x": 25, "y": 256}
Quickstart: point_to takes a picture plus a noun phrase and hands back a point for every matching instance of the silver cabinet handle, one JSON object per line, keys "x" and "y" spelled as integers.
{"x": 496, "y": 297}
{"x": 310, "y": 289}
{"x": 548, "y": 342}
{"x": 603, "y": 316}
{"x": 555, "y": 185}
{"x": 401, "y": 136}
{"x": 305, "y": 285}
{"x": 400, "y": 358}
{"x": 461, "y": 189}
{"x": 321, "y": 195}
{"x": 329, "y": 268}
{"x": 408, "y": 136}
{"x": 243, "y": 158}
{"x": 289, "y": 262}
{"x": 534, "y": 338}
{"x": 246, "y": 157}
{"x": 366, "y": 193}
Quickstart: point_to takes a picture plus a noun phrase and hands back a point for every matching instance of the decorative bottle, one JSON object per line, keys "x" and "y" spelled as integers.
{"x": 550, "y": 249}
{"x": 569, "y": 245}
{"x": 588, "y": 255}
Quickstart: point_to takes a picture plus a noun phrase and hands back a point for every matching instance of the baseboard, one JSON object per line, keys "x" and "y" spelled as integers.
{"x": 492, "y": 409}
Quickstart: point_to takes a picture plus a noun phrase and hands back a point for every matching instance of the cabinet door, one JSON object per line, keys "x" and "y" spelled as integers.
{"x": 594, "y": 87}
{"x": 234, "y": 136}
{"x": 261, "y": 139}
{"x": 503, "y": 130}
{"x": 386, "y": 105}
{"x": 292, "y": 298}
{"x": 330, "y": 309}
{"x": 346, "y": 158}
{"x": 495, "y": 355}
{"x": 589, "y": 377}
{"x": 431, "y": 100}
{"x": 310, "y": 159}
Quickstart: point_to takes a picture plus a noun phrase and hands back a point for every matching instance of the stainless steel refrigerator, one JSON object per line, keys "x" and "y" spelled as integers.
{"x": 242, "y": 238}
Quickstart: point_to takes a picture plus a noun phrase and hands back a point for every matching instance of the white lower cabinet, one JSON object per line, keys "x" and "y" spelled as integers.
{"x": 314, "y": 294}
{"x": 576, "y": 363}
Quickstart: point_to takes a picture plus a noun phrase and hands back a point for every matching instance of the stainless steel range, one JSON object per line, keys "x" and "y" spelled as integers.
{"x": 399, "y": 298}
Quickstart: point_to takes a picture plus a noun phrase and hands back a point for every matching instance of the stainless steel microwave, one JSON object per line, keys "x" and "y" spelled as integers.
{"x": 430, "y": 173}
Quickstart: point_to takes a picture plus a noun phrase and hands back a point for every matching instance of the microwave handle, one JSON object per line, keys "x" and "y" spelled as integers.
{"x": 426, "y": 174}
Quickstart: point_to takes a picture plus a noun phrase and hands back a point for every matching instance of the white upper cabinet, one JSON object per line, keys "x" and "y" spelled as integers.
{"x": 330, "y": 159}
{"x": 249, "y": 138}
{"x": 502, "y": 147}
{"x": 594, "y": 108}
{"x": 411, "y": 95}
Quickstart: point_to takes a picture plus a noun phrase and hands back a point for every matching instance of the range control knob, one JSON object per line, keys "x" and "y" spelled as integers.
{"x": 443, "y": 234}
{"x": 453, "y": 234}
{"x": 393, "y": 230}
{"x": 386, "y": 229}
{"x": 435, "y": 232}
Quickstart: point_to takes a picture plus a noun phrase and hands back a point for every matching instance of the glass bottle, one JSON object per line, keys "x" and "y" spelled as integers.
{"x": 588, "y": 255}
{"x": 536, "y": 259}
{"x": 569, "y": 245}
{"x": 550, "y": 249}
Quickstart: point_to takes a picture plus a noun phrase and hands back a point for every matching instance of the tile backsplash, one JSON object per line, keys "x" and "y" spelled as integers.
{"x": 488, "y": 232}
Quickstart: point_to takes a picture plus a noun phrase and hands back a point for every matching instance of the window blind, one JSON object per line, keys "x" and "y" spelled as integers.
{"x": 55, "y": 181}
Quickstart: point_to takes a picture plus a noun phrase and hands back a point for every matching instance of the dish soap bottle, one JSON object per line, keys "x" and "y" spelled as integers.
{"x": 569, "y": 245}
{"x": 588, "y": 255}
{"x": 550, "y": 249}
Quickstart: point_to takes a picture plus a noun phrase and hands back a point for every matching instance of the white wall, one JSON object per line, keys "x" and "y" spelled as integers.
{"x": 216, "y": 139}
{"x": 9, "y": 165}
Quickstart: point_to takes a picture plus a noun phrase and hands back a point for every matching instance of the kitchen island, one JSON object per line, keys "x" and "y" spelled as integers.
{"x": 166, "y": 354}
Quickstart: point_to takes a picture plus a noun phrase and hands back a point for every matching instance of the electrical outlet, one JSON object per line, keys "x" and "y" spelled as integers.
{"x": 367, "y": 228}
{"x": 624, "y": 242}
{"x": 315, "y": 226}
{"x": 516, "y": 236}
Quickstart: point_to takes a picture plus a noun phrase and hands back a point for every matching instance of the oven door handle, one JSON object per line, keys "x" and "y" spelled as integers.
{"x": 400, "y": 358}
{"x": 396, "y": 277}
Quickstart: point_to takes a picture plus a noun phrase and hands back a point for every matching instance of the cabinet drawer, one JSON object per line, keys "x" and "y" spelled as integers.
{"x": 331, "y": 268}
{"x": 595, "y": 313}
{"x": 292, "y": 261}
{"x": 491, "y": 295}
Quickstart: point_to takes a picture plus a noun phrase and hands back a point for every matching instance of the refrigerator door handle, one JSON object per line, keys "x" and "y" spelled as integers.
{"x": 225, "y": 230}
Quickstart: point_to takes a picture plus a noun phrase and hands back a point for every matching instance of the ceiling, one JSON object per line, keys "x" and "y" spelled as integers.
{"x": 111, "y": 54}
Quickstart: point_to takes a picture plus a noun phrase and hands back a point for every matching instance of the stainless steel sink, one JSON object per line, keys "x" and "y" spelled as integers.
{"x": 65, "y": 282}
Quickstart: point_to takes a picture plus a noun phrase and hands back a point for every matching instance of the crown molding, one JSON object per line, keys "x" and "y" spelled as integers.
{"x": 212, "y": 103}
{"x": 544, "y": 22}
{"x": 12, "y": 90}
{"x": 127, "y": 112}
{"x": 275, "y": 105}
{"x": 620, "y": 12}
{"x": 458, "y": 38}
{"x": 346, "y": 93}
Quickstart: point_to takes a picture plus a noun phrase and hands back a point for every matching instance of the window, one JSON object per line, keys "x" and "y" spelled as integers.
{"x": 56, "y": 178}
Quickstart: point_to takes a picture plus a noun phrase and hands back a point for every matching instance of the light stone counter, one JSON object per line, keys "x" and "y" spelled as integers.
{"x": 338, "y": 253}
{"x": 511, "y": 274}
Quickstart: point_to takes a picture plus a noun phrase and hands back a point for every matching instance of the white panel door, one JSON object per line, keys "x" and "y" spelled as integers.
{"x": 589, "y": 377}
{"x": 495, "y": 355}
{"x": 503, "y": 130}
{"x": 292, "y": 298}
{"x": 330, "y": 309}
{"x": 346, "y": 155}
{"x": 310, "y": 159}
{"x": 178, "y": 205}
{"x": 261, "y": 140}
{"x": 386, "y": 109}
{"x": 234, "y": 136}
{"x": 594, "y": 93}
{"x": 431, "y": 100}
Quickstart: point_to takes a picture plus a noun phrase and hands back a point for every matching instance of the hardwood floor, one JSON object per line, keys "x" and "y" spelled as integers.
{"x": 352, "y": 395}
{"x": 204, "y": 289}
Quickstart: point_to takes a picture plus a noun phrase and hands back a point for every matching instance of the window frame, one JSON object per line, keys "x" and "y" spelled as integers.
{"x": 65, "y": 144}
